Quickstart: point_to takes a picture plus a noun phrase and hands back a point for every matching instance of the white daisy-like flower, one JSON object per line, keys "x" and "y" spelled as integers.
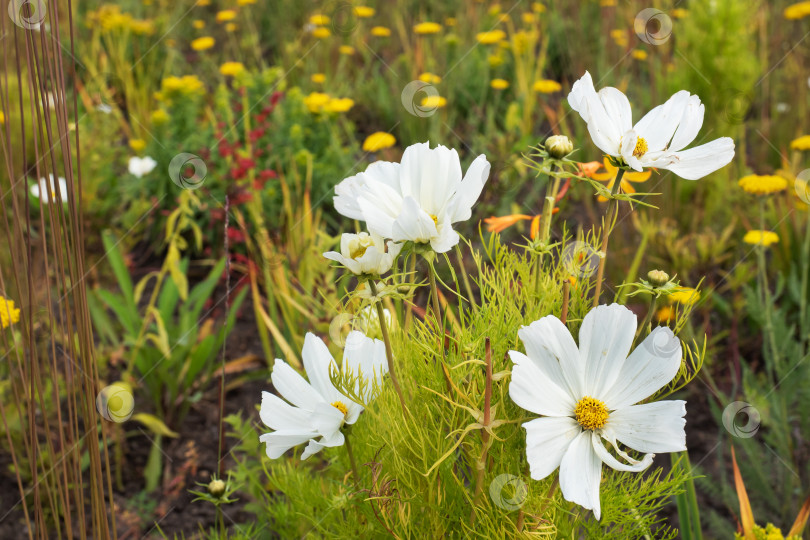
{"x": 657, "y": 140}
{"x": 139, "y": 167}
{"x": 365, "y": 253}
{"x": 316, "y": 409}
{"x": 417, "y": 200}
{"x": 589, "y": 393}
{"x": 46, "y": 189}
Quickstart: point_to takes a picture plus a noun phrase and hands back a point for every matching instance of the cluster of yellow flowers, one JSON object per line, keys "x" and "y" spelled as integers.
{"x": 174, "y": 87}
{"x": 801, "y": 144}
{"x": 8, "y": 313}
{"x": 110, "y": 18}
{"x": 797, "y": 11}
{"x": 319, "y": 102}
{"x": 757, "y": 184}
{"x": 378, "y": 141}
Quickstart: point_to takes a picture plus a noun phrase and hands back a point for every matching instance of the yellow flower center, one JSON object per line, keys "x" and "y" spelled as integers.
{"x": 435, "y": 220}
{"x": 591, "y": 413}
{"x": 340, "y": 406}
{"x": 359, "y": 251}
{"x": 641, "y": 147}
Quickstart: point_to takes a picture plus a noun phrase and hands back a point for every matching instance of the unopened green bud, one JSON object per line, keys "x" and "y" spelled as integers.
{"x": 559, "y": 146}
{"x": 216, "y": 488}
{"x": 658, "y": 277}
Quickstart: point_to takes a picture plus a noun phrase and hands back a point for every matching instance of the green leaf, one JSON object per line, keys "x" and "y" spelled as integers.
{"x": 119, "y": 267}
{"x": 154, "y": 424}
{"x": 176, "y": 272}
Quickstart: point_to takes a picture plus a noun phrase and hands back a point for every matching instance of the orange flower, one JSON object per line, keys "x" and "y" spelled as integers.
{"x": 499, "y": 224}
{"x": 589, "y": 170}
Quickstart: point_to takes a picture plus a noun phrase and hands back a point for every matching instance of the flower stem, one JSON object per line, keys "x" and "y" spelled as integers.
{"x": 610, "y": 218}
{"x": 648, "y": 318}
{"x": 355, "y": 472}
{"x": 387, "y": 340}
{"x": 481, "y": 465}
{"x": 408, "y": 303}
{"x": 434, "y": 293}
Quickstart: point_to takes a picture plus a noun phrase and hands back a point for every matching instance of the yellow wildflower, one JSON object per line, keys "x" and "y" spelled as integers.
{"x": 685, "y": 295}
{"x": 231, "y": 69}
{"x": 499, "y": 84}
{"x": 319, "y": 20}
{"x": 802, "y": 143}
{"x": 203, "y": 3}
{"x": 537, "y": 7}
{"x": 203, "y": 43}
{"x": 364, "y": 12}
{"x": 765, "y": 238}
{"x": 528, "y": 18}
{"x": 434, "y": 102}
{"x": 619, "y": 37}
{"x": 380, "y": 31}
{"x": 495, "y": 60}
{"x": 348, "y": 50}
{"x": 590, "y": 170}
{"x": 426, "y": 28}
{"x": 797, "y": 11}
{"x": 450, "y": 21}
{"x": 316, "y": 100}
{"x": 245, "y": 2}
{"x": 226, "y": 15}
{"x": 762, "y": 184}
{"x": 338, "y": 105}
{"x": 639, "y": 54}
{"x": 665, "y": 314}
{"x": 159, "y": 117}
{"x": 198, "y": 24}
{"x": 137, "y": 145}
{"x": 2, "y": 118}
{"x": 142, "y": 27}
{"x": 318, "y": 78}
{"x": 8, "y": 313}
{"x": 545, "y": 86}
{"x": 321, "y": 32}
{"x": 679, "y": 13}
{"x": 488, "y": 38}
{"x": 430, "y": 78}
{"x": 607, "y": 3}
{"x": 378, "y": 141}
{"x": 230, "y": 27}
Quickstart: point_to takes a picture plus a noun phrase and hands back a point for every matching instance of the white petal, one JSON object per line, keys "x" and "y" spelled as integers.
{"x": 584, "y": 99}
{"x": 629, "y": 140}
{"x": 312, "y": 448}
{"x": 413, "y": 223}
{"x": 617, "y": 107}
{"x": 550, "y": 346}
{"x": 697, "y": 162}
{"x": 650, "y": 427}
{"x": 317, "y": 360}
{"x": 581, "y": 474}
{"x": 346, "y": 195}
{"x": 690, "y": 124}
{"x": 605, "y": 338}
{"x": 547, "y": 439}
{"x": 365, "y": 357}
{"x": 659, "y": 125}
{"x": 651, "y": 365}
{"x": 353, "y": 266}
{"x": 577, "y": 98}
{"x": 447, "y": 237}
{"x": 460, "y": 207}
{"x": 327, "y": 420}
{"x": 608, "y": 459}
{"x": 280, "y": 442}
{"x": 430, "y": 175}
{"x": 292, "y": 386}
{"x": 384, "y": 172}
{"x": 534, "y": 389}
{"x": 277, "y": 414}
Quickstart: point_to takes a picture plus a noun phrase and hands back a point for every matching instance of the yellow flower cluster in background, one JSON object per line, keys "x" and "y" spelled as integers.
{"x": 499, "y": 84}
{"x": 378, "y": 141}
{"x": 489, "y": 38}
{"x": 203, "y": 43}
{"x": 231, "y": 69}
{"x": 797, "y": 11}
{"x": 802, "y": 143}
{"x": 762, "y": 184}
{"x": 427, "y": 28}
{"x": 174, "y": 87}
{"x": 380, "y": 31}
{"x": 765, "y": 238}
{"x": 318, "y": 102}
{"x": 430, "y": 78}
{"x": 110, "y": 18}
{"x": 545, "y": 86}
{"x": 8, "y": 313}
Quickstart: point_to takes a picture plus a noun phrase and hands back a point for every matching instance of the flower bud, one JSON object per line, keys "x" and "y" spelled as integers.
{"x": 216, "y": 488}
{"x": 657, "y": 277}
{"x": 559, "y": 146}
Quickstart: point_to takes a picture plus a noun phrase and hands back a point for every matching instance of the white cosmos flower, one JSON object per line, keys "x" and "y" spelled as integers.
{"x": 589, "y": 393}
{"x": 141, "y": 166}
{"x": 657, "y": 140}
{"x": 365, "y": 253}
{"x": 416, "y": 200}
{"x": 316, "y": 409}
{"x": 46, "y": 189}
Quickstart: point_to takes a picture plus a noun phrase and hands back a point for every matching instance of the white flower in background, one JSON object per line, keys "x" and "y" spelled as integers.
{"x": 141, "y": 166}
{"x": 46, "y": 190}
{"x": 316, "y": 409}
{"x": 657, "y": 140}
{"x": 104, "y": 108}
{"x": 365, "y": 253}
{"x": 416, "y": 200}
{"x": 368, "y": 320}
{"x": 587, "y": 394}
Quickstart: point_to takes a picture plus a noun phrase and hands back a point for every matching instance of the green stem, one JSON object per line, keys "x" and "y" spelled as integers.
{"x": 434, "y": 293}
{"x": 648, "y": 318}
{"x": 355, "y": 472}
{"x": 610, "y": 219}
{"x": 389, "y": 354}
{"x": 804, "y": 332}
